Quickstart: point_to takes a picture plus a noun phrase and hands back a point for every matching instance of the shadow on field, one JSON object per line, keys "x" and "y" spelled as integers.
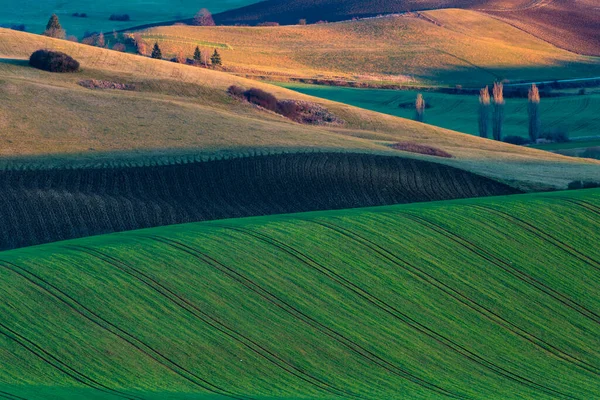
{"x": 40, "y": 206}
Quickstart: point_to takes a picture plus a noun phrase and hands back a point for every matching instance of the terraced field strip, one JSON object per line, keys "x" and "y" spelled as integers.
{"x": 425, "y": 301}
{"x": 184, "y": 40}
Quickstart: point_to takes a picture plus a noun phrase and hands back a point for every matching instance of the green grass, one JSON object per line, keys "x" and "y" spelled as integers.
{"x": 577, "y": 115}
{"x": 485, "y": 299}
{"x": 35, "y": 13}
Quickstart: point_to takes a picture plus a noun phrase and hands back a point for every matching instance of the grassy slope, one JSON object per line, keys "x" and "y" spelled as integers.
{"x": 576, "y": 115}
{"x": 467, "y": 48}
{"x": 35, "y": 13}
{"x": 485, "y": 299}
{"x": 181, "y": 110}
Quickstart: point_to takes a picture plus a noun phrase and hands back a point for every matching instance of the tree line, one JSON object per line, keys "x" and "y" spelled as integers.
{"x": 491, "y": 114}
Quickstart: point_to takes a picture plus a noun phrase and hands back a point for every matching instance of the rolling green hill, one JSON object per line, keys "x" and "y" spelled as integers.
{"x": 491, "y": 298}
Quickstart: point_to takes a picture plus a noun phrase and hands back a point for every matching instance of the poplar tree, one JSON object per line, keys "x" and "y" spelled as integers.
{"x": 498, "y": 120}
{"x": 484, "y": 112}
{"x": 420, "y": 108}
{"x": 533, "y": 109}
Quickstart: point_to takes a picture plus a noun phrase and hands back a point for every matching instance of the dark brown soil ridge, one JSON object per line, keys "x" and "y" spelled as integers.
{"x": 41, "y": 206}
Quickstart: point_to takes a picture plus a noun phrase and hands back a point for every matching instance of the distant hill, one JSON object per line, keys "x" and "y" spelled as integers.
{"x": 448, "y": 47}
{"x": 570, "y": 24}
{"x": 290, "y": 11}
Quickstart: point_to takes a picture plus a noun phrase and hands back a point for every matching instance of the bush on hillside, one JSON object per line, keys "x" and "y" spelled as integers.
{"x": 517, "y": 140}
{"x": 53, "y": 61}
{"x": 79, "y": 15}
{"x": 556, "y": 135}
{"x": 119, "y": 17}
{"x": 236, "y": 91}
{"x": 261, "y": 98}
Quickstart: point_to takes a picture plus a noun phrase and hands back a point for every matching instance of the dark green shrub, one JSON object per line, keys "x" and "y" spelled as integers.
{"x": 53, "y": 61}
{"x": 518, "y": 140}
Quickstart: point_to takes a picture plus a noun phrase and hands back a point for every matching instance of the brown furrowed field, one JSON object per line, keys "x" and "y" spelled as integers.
{"x": 40, "y": 206}
{"x": 448, "y": 47}
{"x": 569, "y": 24}
{"x": 179, "y": 111}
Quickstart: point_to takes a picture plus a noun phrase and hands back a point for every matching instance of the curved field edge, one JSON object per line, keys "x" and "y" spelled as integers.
{"x": 40, "y": 206}
{"x": 420, "y": 301}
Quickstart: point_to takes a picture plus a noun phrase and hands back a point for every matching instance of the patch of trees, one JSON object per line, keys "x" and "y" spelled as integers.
{"x": 79, "y": 15}
{"x": 574, "y": 185}
{"x": 15, "y": 27}
{"x": 120, "y": 17}
{"x": 53, "y": 61}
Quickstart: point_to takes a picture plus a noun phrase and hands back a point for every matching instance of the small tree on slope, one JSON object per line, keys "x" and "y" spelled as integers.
{"x": 54, "y": 29}
{"x": 533, "y": 109}
{"x": 156, "y": 53}
{"x": 197, "y": 55}
{"x": 215, "y": 59}
{"x": 498, "y": 120}
{"x": 484, "y": 112}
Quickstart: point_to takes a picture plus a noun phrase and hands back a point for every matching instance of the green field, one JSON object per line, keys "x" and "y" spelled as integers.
{"x": 491, "y": 298}
{"x": 576, "y": 115}
{"x": 35, "y": 13}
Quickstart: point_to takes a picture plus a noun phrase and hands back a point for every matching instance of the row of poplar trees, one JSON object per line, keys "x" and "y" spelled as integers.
{"x": 496, "y": 109}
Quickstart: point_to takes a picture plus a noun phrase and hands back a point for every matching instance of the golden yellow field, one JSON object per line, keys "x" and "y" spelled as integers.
{"x": 443, "y": 46}
{"x": 180, "y": 110}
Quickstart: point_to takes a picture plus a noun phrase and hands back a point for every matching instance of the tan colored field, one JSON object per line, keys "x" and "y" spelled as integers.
{"x": 443, "y": 46}
{"x": 180, "y": 110}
